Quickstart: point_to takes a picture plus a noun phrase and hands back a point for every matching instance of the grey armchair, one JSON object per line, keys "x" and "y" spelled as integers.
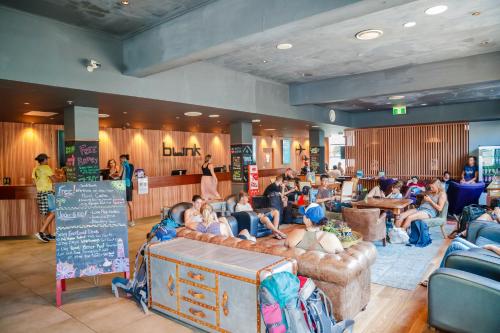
{"x": 464, "y": 296}
{"x": 440, "y": 220}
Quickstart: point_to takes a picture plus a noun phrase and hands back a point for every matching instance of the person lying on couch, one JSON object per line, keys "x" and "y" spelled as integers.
{"x": 271, "y": 218}
{"x": 207, "y": 222}
{"x": 376, "y": 192}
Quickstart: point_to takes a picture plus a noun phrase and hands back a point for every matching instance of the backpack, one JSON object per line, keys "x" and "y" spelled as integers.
{"x": 318, "y": 310}
{"x": 280, "y": 306}
{"x": 137, "y": 287}
{"x": 469, "y": 213}
{"x": 419, "y": 234}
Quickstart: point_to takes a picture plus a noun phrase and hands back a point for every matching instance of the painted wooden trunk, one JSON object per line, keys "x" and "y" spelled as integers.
{"x": 210, "y": 286}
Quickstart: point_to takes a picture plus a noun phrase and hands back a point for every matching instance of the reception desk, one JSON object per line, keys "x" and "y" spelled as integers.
{"x": 19, "y": 212}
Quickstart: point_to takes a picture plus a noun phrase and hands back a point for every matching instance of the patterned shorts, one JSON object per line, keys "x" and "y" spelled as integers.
{"x": 43, "y": 202}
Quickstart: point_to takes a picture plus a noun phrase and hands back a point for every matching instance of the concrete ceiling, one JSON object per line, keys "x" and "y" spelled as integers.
{"x": 108, "y": 15}
{"x": 461, "y": 94}
{"x": 134, "y": 112}
{"x": 332, "y": 50}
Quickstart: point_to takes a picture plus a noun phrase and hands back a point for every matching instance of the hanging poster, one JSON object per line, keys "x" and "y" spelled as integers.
{"x": 253, "y": 180}
{"x": 142, "y": 185}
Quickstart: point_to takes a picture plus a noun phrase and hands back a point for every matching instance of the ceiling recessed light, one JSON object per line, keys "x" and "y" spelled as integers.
{"x": 410, "y": 24}
{"x": 124, "y": 2}
{"x": 436, "y": 10}
{"x": 124, "y": 112}
{"x": 26, "y": 103}
{"x": 284, "y": 46}
{"x": 260, "y": 125}
{"x": 369, "y": 34}
{"x": 40, "y": 114}
{"x": 177, "y": 117}
{"x": 265, "y": 61}
{"x": 369, "y": 109}
{"x": 255, "y": 120}
{"x": 396, "y": 97}
{"x": 423, "y": 104}
{"x": 213, "y": 116}
{"x": 269, "y": 129}
{"x": 476, "y": 13}
{"x": 218, "y": 121}
{"x": 307, "y": 74}
{"x": 193, "y": 114}
{"x": 103, "y": 115}
{"x": 315, "y": 126}
{"x": 484, "y": 43}
{"x": 69, "y": 102}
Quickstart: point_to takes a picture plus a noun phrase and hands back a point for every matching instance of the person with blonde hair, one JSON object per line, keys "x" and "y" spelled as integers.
{"x": 209, "y": 180}
{"x": 432, "y": 203}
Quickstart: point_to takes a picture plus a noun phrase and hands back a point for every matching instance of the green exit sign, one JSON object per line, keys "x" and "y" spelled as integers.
{"x": 400, "y": 109}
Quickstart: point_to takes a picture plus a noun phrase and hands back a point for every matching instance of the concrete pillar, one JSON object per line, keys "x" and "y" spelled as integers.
{"x": 241, "y": 154}
{"x": 81, "y": 140}
{"x": 317, "y": 150}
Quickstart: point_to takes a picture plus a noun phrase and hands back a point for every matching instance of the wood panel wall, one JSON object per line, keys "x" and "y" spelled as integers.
{"x": 402, "y": 151}
{"x": 20, "y": 143}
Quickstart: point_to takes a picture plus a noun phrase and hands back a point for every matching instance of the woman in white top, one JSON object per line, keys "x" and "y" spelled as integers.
{"x": 270, "y": 219}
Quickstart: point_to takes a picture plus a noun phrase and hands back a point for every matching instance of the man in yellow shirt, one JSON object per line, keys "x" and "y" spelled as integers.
{"x": 44, "y": 177}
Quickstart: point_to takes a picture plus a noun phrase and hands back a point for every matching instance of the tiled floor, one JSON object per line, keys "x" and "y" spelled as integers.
{"x": 27, "y": 298}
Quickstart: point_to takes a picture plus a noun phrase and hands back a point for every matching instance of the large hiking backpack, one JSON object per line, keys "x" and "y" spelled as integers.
{"x": 137, "y": 287}
{"x": 279, "y": 304}
{"x": 469, "y": 213}
{"x": 318, "y": 310}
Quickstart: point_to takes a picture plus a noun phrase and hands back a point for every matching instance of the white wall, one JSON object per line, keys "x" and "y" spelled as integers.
{"x": 483, "y": 133}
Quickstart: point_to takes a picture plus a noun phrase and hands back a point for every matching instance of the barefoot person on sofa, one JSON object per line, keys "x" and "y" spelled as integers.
{"x": 202, "y": 218}
{"x": 432, "y": 203}
{"x": 270, "y": 219}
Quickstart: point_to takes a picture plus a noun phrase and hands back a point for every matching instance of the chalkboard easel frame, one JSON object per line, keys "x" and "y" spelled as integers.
{"x": 66, "y": 190}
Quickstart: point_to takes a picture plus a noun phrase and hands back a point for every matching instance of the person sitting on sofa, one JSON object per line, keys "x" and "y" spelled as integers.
{"x": 415, "y": 186}
{"x": 460, "y": 244}
{"x": 376, "y": 192}
{"x": 432, "y": 203}
{"x": 446, "y": 180}
{"x": 491, "y": 216}
{"x": 271, "y": 218}
{"x": 210, "y": 224}
{"x": 312, "y": 212}
{"x": 470, "y": 172}
{"x": 325, "y": 195}
{"x": 312, "y": 238}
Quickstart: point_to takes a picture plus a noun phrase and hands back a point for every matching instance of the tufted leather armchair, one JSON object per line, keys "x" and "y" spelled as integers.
{"x": 367, "y": 221}
{"x": 344, "y": 277}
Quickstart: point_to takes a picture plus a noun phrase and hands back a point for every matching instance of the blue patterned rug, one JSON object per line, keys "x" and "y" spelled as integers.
{"x": 403, "y": 267}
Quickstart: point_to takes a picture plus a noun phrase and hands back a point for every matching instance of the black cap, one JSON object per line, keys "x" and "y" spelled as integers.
{"x": 41, "y": 157}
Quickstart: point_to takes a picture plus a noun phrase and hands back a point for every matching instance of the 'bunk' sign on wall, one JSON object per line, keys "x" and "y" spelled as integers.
{"x": 91, "y": 226}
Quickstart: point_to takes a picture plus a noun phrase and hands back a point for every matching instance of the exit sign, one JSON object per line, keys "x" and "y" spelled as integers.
{"x": 400, "y": 109}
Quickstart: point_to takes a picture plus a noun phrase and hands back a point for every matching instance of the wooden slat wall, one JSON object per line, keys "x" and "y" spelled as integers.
{"x": 403, "y": 151}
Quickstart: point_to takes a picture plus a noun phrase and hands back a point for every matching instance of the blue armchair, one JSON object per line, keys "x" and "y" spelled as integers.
{"x": 461, "y": 195}
{"x": 464, "y": 296}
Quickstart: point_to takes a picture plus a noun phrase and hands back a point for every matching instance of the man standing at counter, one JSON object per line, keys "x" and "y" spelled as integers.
{"x": 127, "y": 173}
{"x": 44, "y": 177}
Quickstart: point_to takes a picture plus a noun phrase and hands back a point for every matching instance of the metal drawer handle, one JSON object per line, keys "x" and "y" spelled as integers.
{"x": 196, "y": 294}
{"x": 225, "y": 300}
{"x": 197, "y": 313}
{"x": 170, "y": 285}
{"x": 196, "y": 276}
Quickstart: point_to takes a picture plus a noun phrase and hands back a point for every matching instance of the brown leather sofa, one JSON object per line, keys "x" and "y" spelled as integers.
{"x": 344, "y": 277}
{"x": 367, "y": 222}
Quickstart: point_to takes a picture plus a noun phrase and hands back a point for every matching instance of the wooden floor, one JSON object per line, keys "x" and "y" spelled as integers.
{"x": 27, "y": 298}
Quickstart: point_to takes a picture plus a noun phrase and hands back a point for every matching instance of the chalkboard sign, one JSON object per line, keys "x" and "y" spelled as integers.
{"x": 91, "y": 226}
{"x": 241, "y": 158}
{"x": 317, "y": 159}
{"x": 82, "y": 160}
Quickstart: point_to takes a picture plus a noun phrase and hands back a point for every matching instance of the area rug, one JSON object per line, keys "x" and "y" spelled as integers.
{"x": 400, "y": 266}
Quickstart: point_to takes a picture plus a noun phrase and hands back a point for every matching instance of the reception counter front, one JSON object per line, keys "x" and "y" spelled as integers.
{"x": 19, "y": 212}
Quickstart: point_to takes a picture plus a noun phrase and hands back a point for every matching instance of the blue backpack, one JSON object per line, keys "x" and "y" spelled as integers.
{"x": 138, "y": 285}
{"x": 419, "y": 234}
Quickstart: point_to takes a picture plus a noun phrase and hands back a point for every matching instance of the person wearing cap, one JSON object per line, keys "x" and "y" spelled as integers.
{"x": 44, "y": 177}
